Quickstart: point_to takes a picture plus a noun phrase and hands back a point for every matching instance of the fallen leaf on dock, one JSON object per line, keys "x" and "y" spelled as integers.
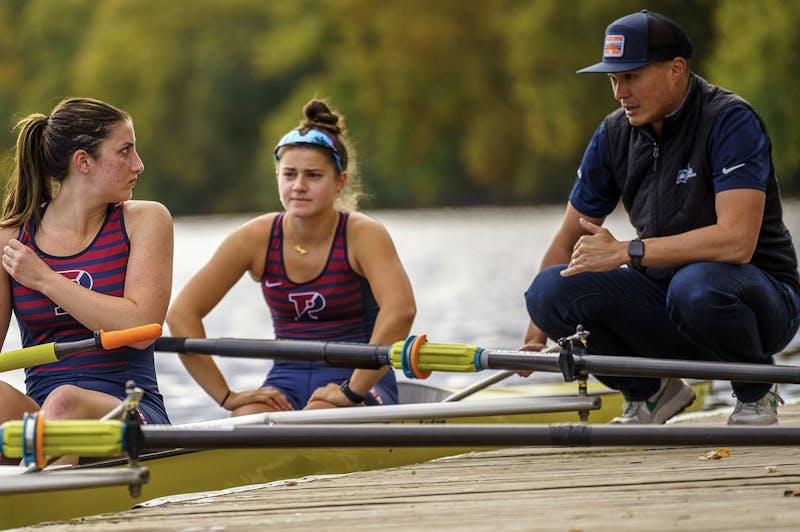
{"x": 716, "y": 454}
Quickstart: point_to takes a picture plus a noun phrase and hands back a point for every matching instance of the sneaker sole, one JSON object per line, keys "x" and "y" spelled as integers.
{"x": 751, "y": 424}
{"x": 683, "y": 401}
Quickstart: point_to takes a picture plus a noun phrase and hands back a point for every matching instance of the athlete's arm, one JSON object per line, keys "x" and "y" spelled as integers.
{"x": 242, "y": 251}
{"x": 148, "y": 278}
{"x": 6, "y": 234}
{"x": 372, "y": 255}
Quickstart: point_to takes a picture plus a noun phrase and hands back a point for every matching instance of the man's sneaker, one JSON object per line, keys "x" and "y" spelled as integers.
{"x": 761, "y": 412}
{"x": 672, "y": 398}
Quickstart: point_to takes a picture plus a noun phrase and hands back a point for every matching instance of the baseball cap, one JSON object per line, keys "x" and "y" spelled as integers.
{"x": 639, "y": 39}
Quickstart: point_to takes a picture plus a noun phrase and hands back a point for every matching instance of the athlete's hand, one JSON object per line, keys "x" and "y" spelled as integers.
{"x": 330, "y": 394}
{"x": 530, "y": 346}
{"x": 22, "y": 263}
{"x": 268, "y": 395}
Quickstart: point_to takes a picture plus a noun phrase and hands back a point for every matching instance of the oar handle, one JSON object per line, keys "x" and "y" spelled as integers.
{"x": 143, "y": 333}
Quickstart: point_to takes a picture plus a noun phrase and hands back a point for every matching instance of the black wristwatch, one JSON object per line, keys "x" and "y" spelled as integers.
{"x": 636, "y": 252}
{"x": 350, "y": 394}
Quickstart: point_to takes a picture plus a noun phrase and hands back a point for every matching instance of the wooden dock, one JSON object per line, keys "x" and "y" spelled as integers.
{"x": 559, "y": 489}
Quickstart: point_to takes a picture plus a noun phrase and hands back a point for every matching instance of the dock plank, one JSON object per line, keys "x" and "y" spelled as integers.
{"x": 531, "y": 488}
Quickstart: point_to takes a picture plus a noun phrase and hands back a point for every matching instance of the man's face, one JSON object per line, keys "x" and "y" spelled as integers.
{"x": 647, "y": 94}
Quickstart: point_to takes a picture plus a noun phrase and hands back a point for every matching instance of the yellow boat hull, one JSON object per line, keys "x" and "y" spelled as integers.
{"x": 208, "y": 471}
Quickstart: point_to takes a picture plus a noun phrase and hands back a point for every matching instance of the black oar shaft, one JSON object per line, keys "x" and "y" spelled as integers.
{"x": 337, "y": 354}
{"x": 461, "y": 435}
{"x": 645, "y": 367}
{"x": 65, "y": 349}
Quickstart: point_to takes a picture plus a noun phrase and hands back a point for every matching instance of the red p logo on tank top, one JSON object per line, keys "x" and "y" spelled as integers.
{"x": 307, "y": 303}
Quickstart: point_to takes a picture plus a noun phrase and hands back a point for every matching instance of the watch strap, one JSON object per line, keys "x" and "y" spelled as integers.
{"x": 350, "y": 394}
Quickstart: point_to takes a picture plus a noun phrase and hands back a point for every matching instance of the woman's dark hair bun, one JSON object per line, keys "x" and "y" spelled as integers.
{"x": 318, "y": 114}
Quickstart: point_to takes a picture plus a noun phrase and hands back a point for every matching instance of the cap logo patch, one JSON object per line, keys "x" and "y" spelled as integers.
{"x": 615, "y": 45}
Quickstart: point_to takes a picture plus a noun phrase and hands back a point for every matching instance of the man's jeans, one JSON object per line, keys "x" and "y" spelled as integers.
{"x": 707, "y": 311}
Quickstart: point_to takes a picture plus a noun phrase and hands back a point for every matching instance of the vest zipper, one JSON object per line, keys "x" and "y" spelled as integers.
{"x": 656, "y": 190}
{"x": 655, "y": 157}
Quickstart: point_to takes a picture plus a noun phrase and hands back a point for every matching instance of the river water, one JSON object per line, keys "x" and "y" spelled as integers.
{"x": 469, "y": 268}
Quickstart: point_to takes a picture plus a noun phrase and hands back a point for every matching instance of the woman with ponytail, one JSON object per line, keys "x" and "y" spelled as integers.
{"x": 78, "y": 255}
{"x": 326, "y": 272}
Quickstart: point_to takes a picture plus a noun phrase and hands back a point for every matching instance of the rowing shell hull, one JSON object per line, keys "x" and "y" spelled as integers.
{"x": 172, "y": 473}
{"x": 208, "y": 471}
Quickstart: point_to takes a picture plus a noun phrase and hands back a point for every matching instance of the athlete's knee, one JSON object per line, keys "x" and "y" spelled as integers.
{"x": 62, "y": 402}
{"x": 543, "y": 291}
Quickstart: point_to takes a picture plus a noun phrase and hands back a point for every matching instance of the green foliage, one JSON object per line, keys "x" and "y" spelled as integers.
{"x": 756, "y": 57}
{"x": 422, "y": 82}
{"x": 192, "y": 83}
{"x": 447, "y": 102}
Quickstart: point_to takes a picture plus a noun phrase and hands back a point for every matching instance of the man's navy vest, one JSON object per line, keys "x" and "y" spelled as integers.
{"x": 666, "y": 184}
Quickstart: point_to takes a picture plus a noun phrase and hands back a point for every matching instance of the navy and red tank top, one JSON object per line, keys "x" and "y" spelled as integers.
{"x": 100, "y": 267}
{"x": 337, "y": 305}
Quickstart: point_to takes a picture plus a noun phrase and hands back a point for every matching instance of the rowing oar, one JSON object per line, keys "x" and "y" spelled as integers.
{"x": 54, "y": 351}
{"x": 75, "y": 438}
{"x": 572, "y": 361}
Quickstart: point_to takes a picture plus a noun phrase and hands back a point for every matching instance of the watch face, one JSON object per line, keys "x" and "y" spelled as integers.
{"x": 636, "y": 248}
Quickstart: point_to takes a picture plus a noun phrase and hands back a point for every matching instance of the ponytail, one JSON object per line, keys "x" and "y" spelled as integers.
{"x": 30, "y": 184}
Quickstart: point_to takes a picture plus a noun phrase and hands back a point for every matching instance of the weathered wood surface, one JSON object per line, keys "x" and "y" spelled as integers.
{"x": 755, "y": 488}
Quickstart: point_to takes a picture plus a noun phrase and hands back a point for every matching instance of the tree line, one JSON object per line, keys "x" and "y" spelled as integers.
{"x": 447, "y": 102}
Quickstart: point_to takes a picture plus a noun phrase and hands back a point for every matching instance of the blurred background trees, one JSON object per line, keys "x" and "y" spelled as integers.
{"x": 448, "y": 102}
